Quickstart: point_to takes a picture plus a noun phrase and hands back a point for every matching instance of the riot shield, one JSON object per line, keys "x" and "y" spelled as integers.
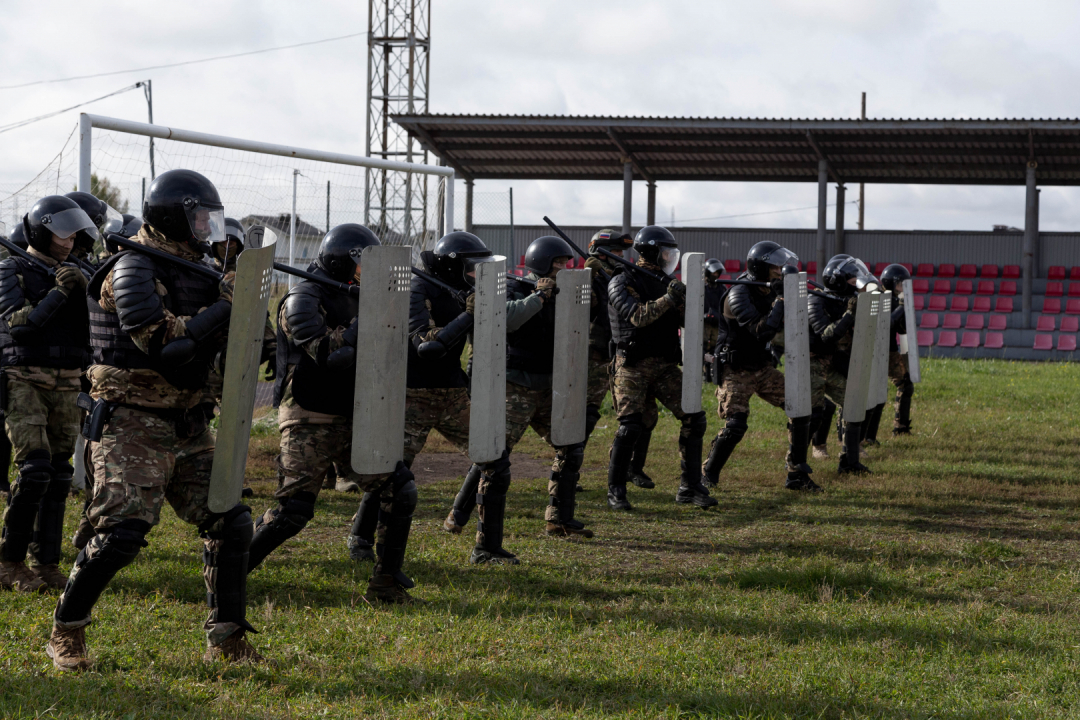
{"x": 862, "y": 357}
{"x": 879, "y": 367}
{"x": 693, "y": 332}
{"x": 382, "y": 355}
{"x": 247, "y": 324}
{"x": 796, "y": 347}
{"x": 912, "y": 333}
{"x": 487, "y": 414}
{"x": 570, "y": 374}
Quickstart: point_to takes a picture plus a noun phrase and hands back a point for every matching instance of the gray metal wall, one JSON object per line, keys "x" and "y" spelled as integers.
{"x": 915, "y": 246}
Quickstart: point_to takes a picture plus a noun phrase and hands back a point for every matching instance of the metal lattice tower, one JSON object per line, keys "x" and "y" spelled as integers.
{"x": 399, "y": 34}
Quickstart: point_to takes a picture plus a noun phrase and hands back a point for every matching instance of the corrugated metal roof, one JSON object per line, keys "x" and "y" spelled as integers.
{"x": 948, "y": 151}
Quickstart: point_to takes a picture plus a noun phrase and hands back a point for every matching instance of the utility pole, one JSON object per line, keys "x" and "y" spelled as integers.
{"x": 148, "y": 91}
{"x": 862, "y": 186}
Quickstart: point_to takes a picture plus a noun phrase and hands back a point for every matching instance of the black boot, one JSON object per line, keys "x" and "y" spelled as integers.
{"x": 798, "y": 476}
{"x": 849, "y": 458}
{"x": 225, "y": 559}
{"x": 722, "y": 447}
{"x": 464, "y": 503}
{"x": 691, "y": 491}
{"x": 562, "y": 491}
{"x": 637, "y": 462}
{"x": 902, "y": 419}
{"x": 870, "y": 425}
{"x": 489, "y": 525}
{"x": 104, "y": 556}
{"x": 278, "y": 525}
{"x": 622, "y": 451}
{"x": 361, "y": 540}
{"x": 820, "y": 424}
{"x": 35, "y": 475}
{"x": 49, "y": 531}
{"x": 388, "y": 583}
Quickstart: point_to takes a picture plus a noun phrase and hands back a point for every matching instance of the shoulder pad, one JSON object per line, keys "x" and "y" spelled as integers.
{"x": 742, "y": 304}
{"x": 11, "y": 293}
{"x": 135, "y": 292}
{"x": 516, "y": 289}
{"x": 818, "y": 312}
{"x": 302, "y": 312}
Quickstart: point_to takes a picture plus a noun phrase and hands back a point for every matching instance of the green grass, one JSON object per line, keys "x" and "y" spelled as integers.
{"x": 944, "y": 586}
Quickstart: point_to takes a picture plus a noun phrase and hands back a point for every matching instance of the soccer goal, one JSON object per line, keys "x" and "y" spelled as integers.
{"x": 298, "y": 192}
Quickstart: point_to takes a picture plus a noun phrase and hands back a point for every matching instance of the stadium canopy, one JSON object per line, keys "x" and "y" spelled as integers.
{"x": 952, "y": 152}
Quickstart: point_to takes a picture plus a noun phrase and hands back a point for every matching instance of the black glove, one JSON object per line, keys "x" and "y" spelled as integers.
{"x": 677, "y": 290}
{"x": 777, "y": 286}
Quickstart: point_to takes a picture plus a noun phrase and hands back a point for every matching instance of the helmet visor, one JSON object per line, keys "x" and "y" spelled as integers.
{"x": 468, "y": 267}
{"x": 669, "y": 258}
{"x": 782, "y": 257}
{"x": 859, "y": 275}
{"x": 114, "y": 220}
{"x": 207, "y": 224}
{"x": 234, "y": 233}
{"x": 66, "y": 223}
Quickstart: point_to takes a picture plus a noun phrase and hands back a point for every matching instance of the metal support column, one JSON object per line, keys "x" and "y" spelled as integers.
{"x": 1031, "y": 237}
{"x": 823, "y": 202}
{"x": 838, "y": 244}
{"x": 627, "y": 193}
{"x": 468, "y": 205}
{"x": 650, "y": 216}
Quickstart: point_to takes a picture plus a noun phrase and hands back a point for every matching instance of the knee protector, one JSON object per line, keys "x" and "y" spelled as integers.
{"x": 403, "y": 487}
{"x": 736, "y": 426}
{"x": 97, "y": 563}
{"x": 35, "y": 474}
{"x": 630, "y": 428}
{"x": 498, "y": 476}
{"x": 573, "y": 457}
{"x": 697, "y": 423}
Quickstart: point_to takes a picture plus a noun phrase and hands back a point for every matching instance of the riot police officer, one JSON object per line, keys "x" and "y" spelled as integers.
{"x": 105, "y": 218}
{"x": 892, "y": 278}
{"x": 646, "y": 314}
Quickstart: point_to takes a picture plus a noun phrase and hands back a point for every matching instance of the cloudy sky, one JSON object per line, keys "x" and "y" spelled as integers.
{"x": 768, "y": 58}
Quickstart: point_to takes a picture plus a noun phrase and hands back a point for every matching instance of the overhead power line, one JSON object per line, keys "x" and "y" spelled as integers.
{"x": 21, "y": 123}
{"x": 767, "y": 212}
{"x": 185, "y": 62}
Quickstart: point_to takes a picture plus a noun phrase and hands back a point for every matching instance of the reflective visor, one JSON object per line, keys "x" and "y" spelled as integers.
{"x": 782, "y": 257}
{"x": 669, "y": 258}
{"x": 66, "y": 223}
{"x": 114, "y": 221}
{"x": 207, "y": 224}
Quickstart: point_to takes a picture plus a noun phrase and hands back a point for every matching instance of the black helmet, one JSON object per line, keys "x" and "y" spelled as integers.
{"x": 18, "y": 237}
{"x": 339, "y": 251}
{"x": 132, "y": 223}
{"x": 657, "y": 245}
{"x": 893, "y": 276}
{"x": 455, "y": 258}
{"x": 610, "y": 239}
{"x": 56, "y": 215}
{"x": 235, "y": 231}
{"x": 107, "y": 219}
{"x": 185, "y": 207}
{"x": 714, "y": 266}
{"x": 767, "y": 254}
{"x": 543, "y": 250}
{"x": 844, "y": 275}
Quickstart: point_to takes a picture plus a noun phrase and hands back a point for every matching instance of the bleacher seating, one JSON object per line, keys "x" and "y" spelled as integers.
{"x": 980, "y": 305}
{"x": 1055, "y": 272}
{"x": 910, "y": 268}
{"x": 1043, "y": 342}
{"x": 925, "y": 270}
{"x": 928, "y": 321}
{"x": 920, "y": 286}
{"x": 989, "y": 272}
{"x": 1051, "y": 306}
{"x": 1046, "y": 324}
{"x": 985, "y": 287}
{"x": 994, "y": 341}
{"x": 1072, "y": 306}
{"x": 1074, "y": 272}
{"x": 946, "y": 339}
{"x": 959, "y": 303}
{"x": 974, "y": 322}
{"x": 1070, "y": 323}
{"x": 946, "y": 270}
{"x": 942, "y": 287}
{"x": 1066, "y": 343}
{"x": 1007, "y": 287}
{"x": 1011, "y": 272}
{"x": 970, "y": 340}
{"x": 998, "y": 322}
{"x": 880, "y": 268}
{"x": 967, "y": 271}
{"x": 811, "y": 267}
{"x": 1003, "y": 305}
{"x": 1055, "y": 289}
{"x": 1074, "y": 289}
{"x": 964, "y": 287}
{"x": 936, "y": 303}
{"x": 951, "y": 321}
{"x": 920, "y": 302}
{"x": 732, "y": 266}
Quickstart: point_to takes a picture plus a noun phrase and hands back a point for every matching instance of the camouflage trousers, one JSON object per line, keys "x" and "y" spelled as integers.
{"x": 599, "y": 378}
{"x": 826, "y": 382}
{"x": 444, "y": 409}
{"x": 636, "y": 388}
{"x": 738, "y": 386}
{"x": 901, "y": 379}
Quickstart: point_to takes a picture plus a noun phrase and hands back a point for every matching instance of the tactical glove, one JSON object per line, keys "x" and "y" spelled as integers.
{"x": 777, "y": 286}
{"x": 70, "y": 278}
{"x": 677, "y": 291}
{"x": 226, "y": 286}
{"x": 545, "y": 287}
{"x": 470, "y": 304}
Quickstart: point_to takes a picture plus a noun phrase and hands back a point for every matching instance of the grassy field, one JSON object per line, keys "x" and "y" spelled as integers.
{"x": 943, "y": 586}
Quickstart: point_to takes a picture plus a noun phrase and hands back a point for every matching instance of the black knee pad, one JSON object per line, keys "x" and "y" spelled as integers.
{"x": 129, "y": 534}
{"x": 736, "y": 426}
{"x": 630, "y": 428}
{"x": 237, "y": 526}
{"x": 299, "y": 506}
{"x": 500, "y": 466}
{"x": 403, "y": 487}
{"x": 573, "y": 457}
{"x": 37, "y": 461}
{"x": 697, "y": 423}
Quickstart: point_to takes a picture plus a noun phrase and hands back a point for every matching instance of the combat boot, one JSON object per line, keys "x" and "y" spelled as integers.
{"x": 691, "y": 491}
{"x": 16, "y": 576}
{"x": 902, "y": 419}
{"x": 345, "y": 485}
{"x": 489, "y": 526}
{"x": 798, "y": 477}
{"x": 637, "y": 462}
{"x": 329, "y": 479}
{"x": 564, "y": 503}
{"x": 234, "y": 649}
{"x": 67, "y": 648}
{"x": 722, "y": 447}
{"x": 360, "y": 550}
{"x": 622, "y": 451}
{"x": 464, "y": 502}
{"x": 849, "y": 457}
{"x": 390, "y": 590}
{"x": 821, "y": 452}
{"x": 51, "y": 576}
{"x": 388, "y": 583}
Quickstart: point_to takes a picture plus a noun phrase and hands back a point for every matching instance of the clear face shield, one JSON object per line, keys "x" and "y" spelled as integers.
{"x": 468, "y": 268}
{"x": 668, "y": 259}
{"x": 114, "y": 221}
{"x": 207, "y": 224}
{"x": 860, "y": 276}
{"x": 782, "y": 257}
{"x": 66, "y": 223}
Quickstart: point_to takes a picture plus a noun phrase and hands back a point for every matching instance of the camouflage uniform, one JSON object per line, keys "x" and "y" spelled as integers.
{"x": 898, "y": 373}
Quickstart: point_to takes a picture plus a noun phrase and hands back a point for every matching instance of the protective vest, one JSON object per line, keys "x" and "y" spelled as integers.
{"x": 600, "y": 325}
{"x": 823, "y": 312}
{"x": 714, "y": 298}
{"x": 443, "y": 372}
{"x": 657, "y": 339}
{"x": 60, "y": 343}
{"x": 186, "y": 294}
{"x": 531, "y": 347}
{"x": 745, "y": 309}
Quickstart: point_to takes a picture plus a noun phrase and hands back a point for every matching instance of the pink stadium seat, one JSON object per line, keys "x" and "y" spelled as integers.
{"x": 1012, "y": 272}
{"x": 521, "y": 262}
{"x": 880, "y": 268}
{"x": 1003, "y": 305}
{"x": 964, "y": 287}
{"x": 925, "y": 270}
{"x": 1055, "y": 272}
{"x": 1070, "y": 323}
{"x": 936, "y": 303}
{"x": 1074, "y": 273}
{"x": 1055, "y": 289}
{"x": 974, "y": 322}
{"x": 994, "y": 341}
{"x": 920, "y": 286}
{"x": 1051, "y": 306}
{"x": 732, "y": 266}
{"x": 951, "y": 321}
{"x": 1043, "y": 342}
{"x": 998, "y": 322}
{"x": 920, "y": 301}
{"x": 980, "y": 305}
{"x": 968, "y": 271}
{"x": 946, "y": 338}
{"x": 989, "y": 271}
{"x": 925, "y": 338}
{"x": 946, "y": 270}
{"x": 985, "y": 287}
{"x": 929, "y": 320}
{"x": 1074, "y": 289}
{"x": 1066, "y": 343}
{"x": 1008, "y": 287}
{"x": 910, "y": 268}
{"x": 958, "y": 303}
{"x": 970, "y": 340}
{"x": 811, "y": 267}
{"x": 1046, "y": 324}
{"x": 1072, "y": 306}
{"x": 942, "y": 287}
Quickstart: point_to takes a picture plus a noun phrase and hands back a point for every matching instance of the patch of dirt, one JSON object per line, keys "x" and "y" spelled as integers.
{"x": 434, "y": 467}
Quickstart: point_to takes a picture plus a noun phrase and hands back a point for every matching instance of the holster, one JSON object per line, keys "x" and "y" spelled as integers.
{"x": 98, "y": 413}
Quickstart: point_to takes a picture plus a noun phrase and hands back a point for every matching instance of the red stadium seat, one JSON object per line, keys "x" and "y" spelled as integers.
{"x": 920, "y": 301}
{"x": 985, "y": 287}
{"x": 974, "y": 322}
{"x": 1055, "y": 289}
{"x": 951, "y": 321}
{"x": 1074, "y": 273}
{"x": 964, "y": 287}
{"x": 880, "y": 268}
{"x": 970, "y": 339}
{"x": 1070, "y": 323}
{"x": 1012, "y": 272}
{"x": 521, "y": 262}
{"x": 946, "y": 338}
{"x": 968, "y": 271}
{"x": 910, "y": 268}
{"x": 1074, "y": 289}
{"x": 946, "y": 270}
{"x": 725, "y": 276}
{"x": 1003, "y": 305}
{"x": 929, "y": 321}
{"x": 1043, "y": 342}
{"x": 989, "y": 271}
{"x": 799, "y": 265}
{"x": 811, "y": 267}
{"x": 925, "y": 338}
{"x": 958, "y": 303}
{"x": 1008, "y": 287}
{"x": 1066, "y": 343}
{"x": 1055, "y": 272}
{"x": 1072, "y": 306}
{"x": 1051, "y": 306}
{"x": 732, "y": 266}
{"x": 925, "y": 270}
{"x": 998, "y": 322}
{"x": 942, "y": 287}
{"x": 1046, "y": 323}
{"x": 994, "y": 341}
{"x": 920, "y": 286}
{"x": 980, "y": 305}
{"x": 936, "y": 303}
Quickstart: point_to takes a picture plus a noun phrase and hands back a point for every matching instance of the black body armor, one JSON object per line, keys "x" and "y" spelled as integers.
{"x": 658, "y": 339}
{"x": 444, "y": 371}
{"x": 752, "y": 321}
{"x": 531, "y": 347}
{"x": 62, "y": 341}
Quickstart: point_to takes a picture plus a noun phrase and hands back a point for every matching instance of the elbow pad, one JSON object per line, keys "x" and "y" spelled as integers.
{"x": 199, "y": 328}
{"x": 446, "y": 338}
{"x": 776, "y": 316}
{"x": 43, "y": 313}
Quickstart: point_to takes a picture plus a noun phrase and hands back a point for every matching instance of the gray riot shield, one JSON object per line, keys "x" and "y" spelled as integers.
{"x": 487, "y": 414}
{"x": 796, "y": 347}
{"x": 570, "y": 374}
{"x": 247, "y": 322}
{"x": 693, "y": 332}
{"x": 911, "y": 332}
{"x": 862, "y": 357}
{"x": 879, "y": 367}
{"x": 382, "y": 355}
